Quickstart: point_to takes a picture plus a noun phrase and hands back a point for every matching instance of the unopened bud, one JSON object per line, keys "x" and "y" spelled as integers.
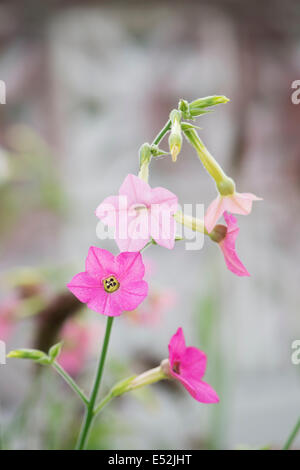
{"x": 175, "y": 138}
{"x": 199, "y": 106}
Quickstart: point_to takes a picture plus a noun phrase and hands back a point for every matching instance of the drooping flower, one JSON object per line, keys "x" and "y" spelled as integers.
{"x": 78, "y": 344}
{"x": 236, "y": 203}
{"x": 226, "y": 238}
{"x": 188, "y": 365}
{"x": 110, "y": 284}
{"x": 140, "y": 213}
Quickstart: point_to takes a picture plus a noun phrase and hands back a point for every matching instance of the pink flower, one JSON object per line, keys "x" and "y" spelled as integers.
{"x": 110, "y": 284}
{"x": 188, "y": 364}
{"x": 140, "y": 213}
{"x": 151, "y": 312}
{"x": 227, "y": 246}
{"x": 237, "y": 203}
{"x": 74, "y": 353}
{"x": 78, "y": 340}
{"x": 8, "y": 317}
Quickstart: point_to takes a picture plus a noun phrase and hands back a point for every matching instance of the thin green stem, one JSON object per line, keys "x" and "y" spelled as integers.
{"x": 90, "y": 407}
{"x": 292, "y": 436}
{"x": 162, "y": 133}
{"x": 103, "y": 402}
{"x": 68, "y": 379}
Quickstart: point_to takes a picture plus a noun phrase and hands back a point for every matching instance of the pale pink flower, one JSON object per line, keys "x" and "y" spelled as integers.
{"x": 227, "y": 246}
{"x": 110, "y": 284}
{"x": 78, "y": 345}
{"x": 140, "y": 213}
{"x": 188, "y": 365}
{"x": 8, "y": 317}
{"x": 237, "y": 203}
{"x": 151, "y": 312}
{"x": 74, "y": 353}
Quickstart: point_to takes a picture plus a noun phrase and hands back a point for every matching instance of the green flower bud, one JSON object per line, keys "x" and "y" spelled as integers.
{"x": 145, "y": 154}
{"x": 175, "y": 137}
{"x": 32, "y": 354}
{"x": 199, "y": 106}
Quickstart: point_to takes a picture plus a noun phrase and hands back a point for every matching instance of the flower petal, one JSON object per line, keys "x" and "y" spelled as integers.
{"x": 176, "y": 347}
{"x": 214, "y": 212}
{"x": 131, "y": 295}
{"x": 192, "y": 364}
{"x": 200, "y": 390}
{"x": 130, "y": 267}
{"x": 164, "y": 197}
{"x": 83, "y": 286}
{"x": 162, "y": 226}
{"x": 227, "y": 246}
{"x": 100, "y": 263}
{"x": 240, "y": 203}
{"x": 108, "y": 210}
{"x": 136, "y": 190}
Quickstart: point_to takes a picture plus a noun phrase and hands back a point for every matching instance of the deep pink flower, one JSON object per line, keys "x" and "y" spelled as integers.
{"x": 110, "y": 284}
{"x": 140, "y": 213}
{"x": 188, "y": 364}
{"x": 227, "y": 246}
{"x": 237, "y": 203}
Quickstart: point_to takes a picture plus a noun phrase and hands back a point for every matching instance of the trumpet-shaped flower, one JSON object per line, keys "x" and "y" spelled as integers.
{"x": 188, "y": 365}
{"x": 140, "y": 213}
{"x": 110, "y": 284}
{"x": 236, "y": 203}
{"x": 226, "y": 238}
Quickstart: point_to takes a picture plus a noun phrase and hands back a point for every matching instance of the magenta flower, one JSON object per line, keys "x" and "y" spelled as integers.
{"x": 227, "y": 245}
{"x": 236, "y": 203}
{"x": 110, "y": 284}
{"x": 140, "y": 213}
{"x": 188, "y": 364}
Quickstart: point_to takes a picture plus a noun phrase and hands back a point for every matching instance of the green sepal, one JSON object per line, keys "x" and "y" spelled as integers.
{"x": 54, "y": 351}
{"x": 157, "y": 152}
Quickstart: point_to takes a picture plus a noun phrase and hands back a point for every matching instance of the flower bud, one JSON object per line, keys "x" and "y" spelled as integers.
{"x": 145, "y": 154}
{"x": 199, "y": 106}
{"x": 175, "y": 138}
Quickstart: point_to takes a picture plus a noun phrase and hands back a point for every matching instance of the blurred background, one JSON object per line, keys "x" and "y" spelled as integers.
{"x": 86, "y": 84}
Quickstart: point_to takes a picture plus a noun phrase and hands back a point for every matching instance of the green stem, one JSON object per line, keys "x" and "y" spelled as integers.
{"x": 292, "y": 436}
{"x": 162, "y": 133}
{"x": 208, "y": 161}
{"x": 90, "y": 407}
{"x": 70, "y": 382}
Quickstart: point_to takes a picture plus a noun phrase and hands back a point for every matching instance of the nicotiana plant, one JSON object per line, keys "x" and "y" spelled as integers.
{"x": 144, "y": 216}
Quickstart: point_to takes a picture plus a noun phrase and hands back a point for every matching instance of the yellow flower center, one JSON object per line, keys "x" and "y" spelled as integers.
{"x": 111, "y": 284}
